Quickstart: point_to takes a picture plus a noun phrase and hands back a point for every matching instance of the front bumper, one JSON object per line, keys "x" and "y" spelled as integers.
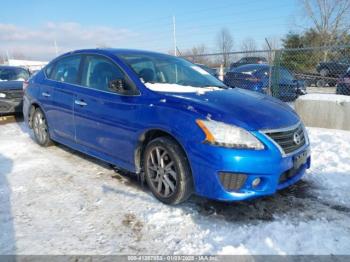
{"x": 208, "y": 162}
{"x": 8, "y": 106}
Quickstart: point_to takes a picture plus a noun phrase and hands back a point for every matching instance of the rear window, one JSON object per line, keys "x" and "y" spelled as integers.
{"x": 13, "y": 74}
{"x": 256, "y": 59}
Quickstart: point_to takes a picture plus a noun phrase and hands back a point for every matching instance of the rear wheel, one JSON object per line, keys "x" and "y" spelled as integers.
{"x": 321, "y": 83}
{"x": 40, "y": 127}
{"x": 324, "y": 72}
{"x": 167, "y": 171}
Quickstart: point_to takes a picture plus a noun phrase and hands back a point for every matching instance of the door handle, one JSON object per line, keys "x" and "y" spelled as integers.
{"x": 80, "y": 103}
{"x": 45, "y": 94}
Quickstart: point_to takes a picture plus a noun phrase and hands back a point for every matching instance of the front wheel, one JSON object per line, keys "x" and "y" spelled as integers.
{"x": 40, "y": 127}
{"x": 167, "y": 171}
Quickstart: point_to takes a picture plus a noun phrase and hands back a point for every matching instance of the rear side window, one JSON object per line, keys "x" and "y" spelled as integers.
{"x": 66, "y": 70}
{"x": 48, "y": 70}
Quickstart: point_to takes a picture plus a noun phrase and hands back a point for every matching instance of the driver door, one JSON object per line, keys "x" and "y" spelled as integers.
{"x": 104, "y": 119}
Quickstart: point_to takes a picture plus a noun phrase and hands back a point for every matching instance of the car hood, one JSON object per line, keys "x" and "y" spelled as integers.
{"x": 11, "y": 85}
{"x": 247, "y": 109}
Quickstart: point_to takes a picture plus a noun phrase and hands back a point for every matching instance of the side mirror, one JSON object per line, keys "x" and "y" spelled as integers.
{"x": 117, "y": 85}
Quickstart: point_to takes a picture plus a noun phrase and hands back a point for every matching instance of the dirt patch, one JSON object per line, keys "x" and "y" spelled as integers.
{"x": 7, "y": 119}
{"x": 130, "y": 221}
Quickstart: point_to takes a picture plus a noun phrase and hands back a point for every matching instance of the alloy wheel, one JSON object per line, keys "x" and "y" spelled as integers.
{"x": 40, "y": 127}
{"x": 162, "y": 172}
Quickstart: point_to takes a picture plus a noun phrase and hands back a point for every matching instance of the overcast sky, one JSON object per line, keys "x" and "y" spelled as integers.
{"x": 32, "y": 27}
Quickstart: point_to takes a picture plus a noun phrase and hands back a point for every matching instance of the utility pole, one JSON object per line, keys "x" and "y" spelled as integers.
{"x": 8, "y": 56}
{"x": 56, "y": 49}
{"x": 174, "y": 35}
{"x": 269, "y": 90}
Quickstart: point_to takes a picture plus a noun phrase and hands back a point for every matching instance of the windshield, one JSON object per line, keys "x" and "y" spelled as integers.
{"x": 170, "y": 71}
{"x": 13, "y": 74}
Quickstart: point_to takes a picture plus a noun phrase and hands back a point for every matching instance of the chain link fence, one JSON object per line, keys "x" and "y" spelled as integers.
{"x": 283, "y": 73}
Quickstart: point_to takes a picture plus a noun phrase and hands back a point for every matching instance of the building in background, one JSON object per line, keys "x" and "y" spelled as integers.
{"x": 31, "y": 65}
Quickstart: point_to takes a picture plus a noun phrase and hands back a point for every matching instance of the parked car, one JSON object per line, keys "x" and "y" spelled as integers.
{"x": 255, "y": 77}
{"x": 160, "y": 117}
{"x": 333, "y": 68}
{"x": 208, "y": 69}
{"x": 248, "y": 60}
{"x": 11, "y": 92}
{"x": 343, "y": 85}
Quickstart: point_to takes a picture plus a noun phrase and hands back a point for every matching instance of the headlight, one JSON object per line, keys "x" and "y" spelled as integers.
{"x": 221, "y": 134}
{"x": 2, "y": 95}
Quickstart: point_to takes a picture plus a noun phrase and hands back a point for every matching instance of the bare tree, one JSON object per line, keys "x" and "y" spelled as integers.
{"x": 330, "y": 18}
{"x": 195, "y": 54}
{"x": 248, "y": 45}
{"x": 18, "y": 55}
{"x": 225, "y": 44}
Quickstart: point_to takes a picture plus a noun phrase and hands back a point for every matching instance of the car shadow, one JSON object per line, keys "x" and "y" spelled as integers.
{"x": 7, "y": 231}
{"x": 125, "y": 178}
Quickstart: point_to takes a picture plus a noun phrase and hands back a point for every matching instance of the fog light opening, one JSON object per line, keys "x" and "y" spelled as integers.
{"x": 256, "y": 182}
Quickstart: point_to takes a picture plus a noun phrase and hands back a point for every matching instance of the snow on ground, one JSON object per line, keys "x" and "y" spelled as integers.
{"x": 325, "y": 97}
{"x": 56, "y": 201}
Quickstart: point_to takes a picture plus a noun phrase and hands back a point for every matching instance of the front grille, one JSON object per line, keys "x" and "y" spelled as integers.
{"x": 13, "y": 94}
{"x": 288, "y": 139}
{"x": 232, "y": 181}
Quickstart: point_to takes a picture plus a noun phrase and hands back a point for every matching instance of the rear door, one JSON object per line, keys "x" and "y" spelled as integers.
{"x": 104, "y": 119}
{"x": 60, "y": 91}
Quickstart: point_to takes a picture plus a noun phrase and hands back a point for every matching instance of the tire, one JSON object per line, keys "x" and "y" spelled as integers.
{"x": 321, "y": 83}
{"x": 41, "y": 129}
{"x": 324, "y": 72}
{"x": 167, "y": 171}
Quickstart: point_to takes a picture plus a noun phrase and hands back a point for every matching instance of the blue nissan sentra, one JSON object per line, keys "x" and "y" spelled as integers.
{"x": 170, "y": 122}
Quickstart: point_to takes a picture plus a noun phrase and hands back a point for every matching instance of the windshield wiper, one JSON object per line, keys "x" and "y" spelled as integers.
{"x": 222, "y": 87}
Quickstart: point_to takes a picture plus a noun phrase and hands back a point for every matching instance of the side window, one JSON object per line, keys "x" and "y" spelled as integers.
{"x": 66, "y": 70}
{"x": 251, "y": 60}
{"x": 48, "y": 70}
{"x": 98, "y": 72}
{"x": 285, "y": 75}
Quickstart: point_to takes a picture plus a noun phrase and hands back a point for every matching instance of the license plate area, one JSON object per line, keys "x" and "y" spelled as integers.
{"x": 300, "y": 159}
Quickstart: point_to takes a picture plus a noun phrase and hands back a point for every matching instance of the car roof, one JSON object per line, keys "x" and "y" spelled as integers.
{"x": 116, "y": 51}
{"x": 254, "y": 57}
{"x": 11, "y": 67}
{"x": 258, "y": 66}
